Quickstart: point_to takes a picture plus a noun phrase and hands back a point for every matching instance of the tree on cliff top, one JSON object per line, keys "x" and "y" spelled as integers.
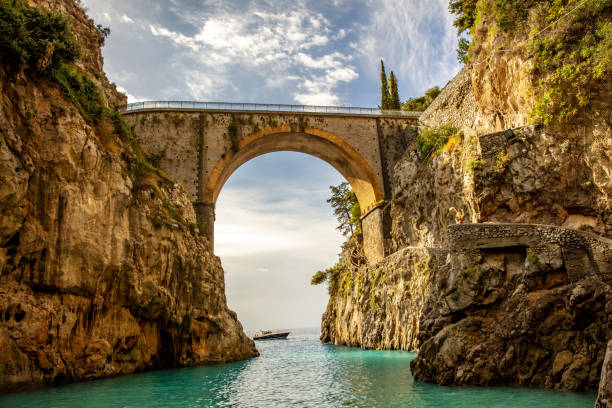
{"x": 384, "y": 88}
{"x": 394, "y": 99}
{"x": 421, "y": 103}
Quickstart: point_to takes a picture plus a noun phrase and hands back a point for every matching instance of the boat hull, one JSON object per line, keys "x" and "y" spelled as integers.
{"x": 277, "y": 335}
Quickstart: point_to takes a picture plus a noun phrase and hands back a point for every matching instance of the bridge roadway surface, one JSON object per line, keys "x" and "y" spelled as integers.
{"x": 200, "y": 144}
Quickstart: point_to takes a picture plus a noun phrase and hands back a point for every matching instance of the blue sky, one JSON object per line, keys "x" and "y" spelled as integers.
{"x": 274, "y": 228}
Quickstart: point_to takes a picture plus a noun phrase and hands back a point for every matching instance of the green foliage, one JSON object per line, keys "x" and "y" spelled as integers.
{"x": 40, "y": 43}
{"x": 121, "y": 128}
{"x": 372, "y": 301}
{"x": 463, "y": 48}
{"x": 431, "y": 140}
{"x": 328, "y": 275}
{"x": 534, "y": 260}
{"x": 474, "y": 164}
{"x": 569, "y": 43}
{"x": 81, "y": 91}
{"x": 572, "y": 63}
{"x": 510, "y": 13}
{"x": 466, "y": 14}
{"x": 232, "y": 132}
{"x": 421, "y": 103}
{"x": 394, "y": 99}
{"x": 454, "y": 295}
{"x": 33, "y": 39}
{"x": 470, "y": 271}
{"x": 502, "y": 161}
{"x": 346, "y": 209}
{"x": 103, "y": 32}
{"x": 173, "y": 213}
{"x": 355, "y": 219}
{"x": 176, "y": 120}
{"x": 385, "y": 97}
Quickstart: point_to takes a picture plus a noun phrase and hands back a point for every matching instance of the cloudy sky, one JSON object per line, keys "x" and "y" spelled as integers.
{"x": 274, "y": 228}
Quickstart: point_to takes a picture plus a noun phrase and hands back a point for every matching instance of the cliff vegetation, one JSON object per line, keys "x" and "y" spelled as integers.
{"x": 568, "y": 44}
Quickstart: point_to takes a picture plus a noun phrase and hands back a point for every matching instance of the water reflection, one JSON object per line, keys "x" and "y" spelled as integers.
{"x": 297, "y": 372}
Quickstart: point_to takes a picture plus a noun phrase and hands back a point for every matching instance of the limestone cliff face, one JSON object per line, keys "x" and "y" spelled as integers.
{"x": 524, "y": 175}
{"x": 521, "y": 304}
{"x": 504, "y": 304}
{"x": 102, "y": 272}
{"x": 379, "y": 306}
{"x": 507, "y": 310}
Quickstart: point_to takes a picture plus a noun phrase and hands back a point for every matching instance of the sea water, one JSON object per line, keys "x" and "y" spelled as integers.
{"x": 295, "y": 372}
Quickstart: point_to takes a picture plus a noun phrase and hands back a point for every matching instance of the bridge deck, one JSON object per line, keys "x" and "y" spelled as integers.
{"x": 265, "y": 108}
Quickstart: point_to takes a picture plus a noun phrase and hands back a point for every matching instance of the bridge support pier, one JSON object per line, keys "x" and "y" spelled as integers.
{"x": 205, "y": 215}
{"x": 374, "y": 234}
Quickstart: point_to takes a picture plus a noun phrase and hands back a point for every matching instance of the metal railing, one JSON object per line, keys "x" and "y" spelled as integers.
{"x": 229, "y": 106}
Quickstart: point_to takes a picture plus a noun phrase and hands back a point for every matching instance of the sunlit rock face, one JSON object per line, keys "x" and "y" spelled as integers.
{"x": 504, "y": 304}
{"x": 102, "y": 273}
{"x": 506, "y": 311}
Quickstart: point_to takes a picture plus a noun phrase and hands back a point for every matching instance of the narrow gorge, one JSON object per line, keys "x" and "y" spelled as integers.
{"x": 487, "y": 219}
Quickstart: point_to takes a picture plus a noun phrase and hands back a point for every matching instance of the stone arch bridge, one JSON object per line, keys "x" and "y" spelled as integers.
{"x": 201, "y": 144}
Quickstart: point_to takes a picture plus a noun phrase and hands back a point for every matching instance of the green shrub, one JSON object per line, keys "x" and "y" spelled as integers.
{"x": 475, "y": 164}
{"x": 463, "y": 50}
{"x": 81, "y": 91}
{"x": 421, "y": 103}
{"x": 328, "y": 274}
{"x": 33, "y": 39}
{"x": 431, "y": 140}
{"x": 502, "y": 161}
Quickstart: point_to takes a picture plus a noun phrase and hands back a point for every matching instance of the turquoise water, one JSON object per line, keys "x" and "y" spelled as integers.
{"x": 296, "y": 372}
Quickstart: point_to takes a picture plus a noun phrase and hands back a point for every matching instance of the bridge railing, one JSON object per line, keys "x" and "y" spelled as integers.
{"x": 190, "y": 105}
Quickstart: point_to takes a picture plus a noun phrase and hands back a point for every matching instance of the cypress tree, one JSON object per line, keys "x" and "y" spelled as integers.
{"x": 394, "y": 99}
{"x": 384, "y": 88}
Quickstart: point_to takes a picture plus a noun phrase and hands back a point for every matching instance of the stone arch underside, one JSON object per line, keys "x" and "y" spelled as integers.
{"x": 323, "y": 145}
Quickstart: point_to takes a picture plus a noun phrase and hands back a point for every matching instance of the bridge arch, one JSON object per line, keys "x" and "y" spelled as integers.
{"x": 316, "y": 142}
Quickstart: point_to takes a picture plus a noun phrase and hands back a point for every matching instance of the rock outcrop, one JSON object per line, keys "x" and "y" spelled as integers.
{"x": 505, "y": 304}
{"x": 521, "y": 304}
{"x": 605, "y": 386}
{"x": 380, "y": 306}
{"x": 102, "y": 271}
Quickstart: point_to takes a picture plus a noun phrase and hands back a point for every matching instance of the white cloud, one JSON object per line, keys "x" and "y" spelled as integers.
{"x": 126, "y": 19}
{"x": 131, "y": 98}
{"x": 263, "y": 227}
{"x": 280, "y": 43}
{"x": 317, "y": 98}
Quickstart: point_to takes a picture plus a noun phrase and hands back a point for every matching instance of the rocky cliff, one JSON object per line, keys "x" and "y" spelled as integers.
{"x": 503, "y": 304}
{"x": 379, "y": 306}
{"x": 507, "y": 309}
{"x": 102, "y": 272}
